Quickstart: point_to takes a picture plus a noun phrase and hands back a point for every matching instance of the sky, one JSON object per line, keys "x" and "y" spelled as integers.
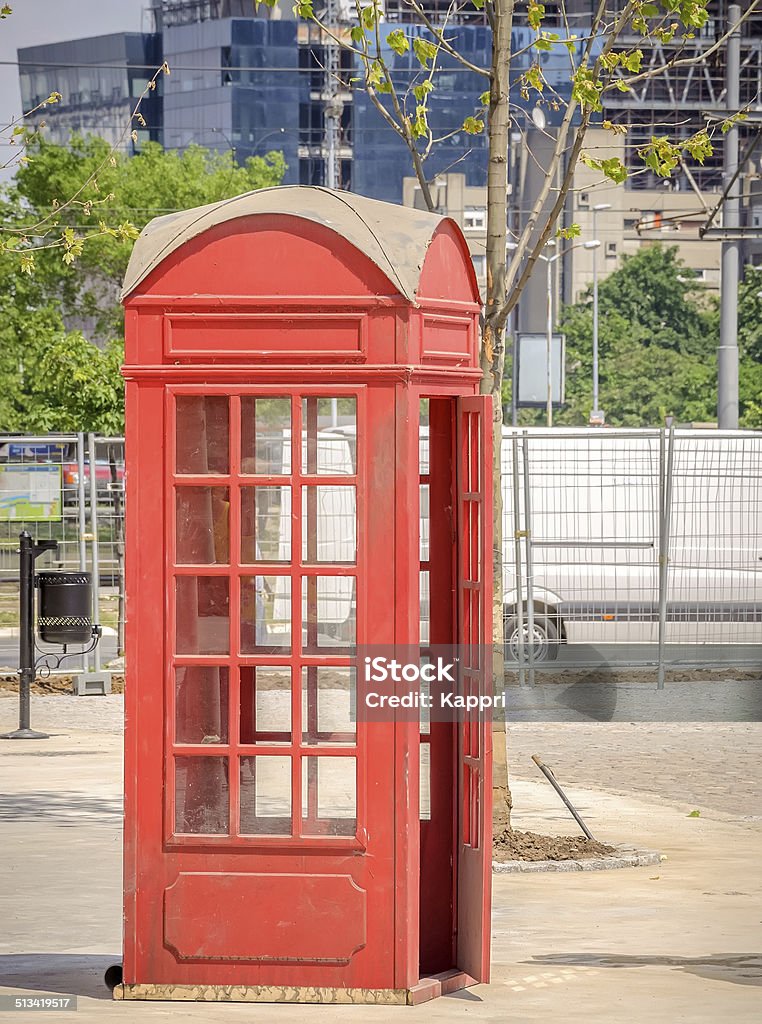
{"x": 35, "y": 22}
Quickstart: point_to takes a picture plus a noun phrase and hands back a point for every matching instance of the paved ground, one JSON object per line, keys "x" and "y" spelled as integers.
{"x": 678, "y": 944}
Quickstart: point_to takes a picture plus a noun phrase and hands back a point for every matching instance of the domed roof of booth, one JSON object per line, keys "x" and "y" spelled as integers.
{"x": 395, "y": 238}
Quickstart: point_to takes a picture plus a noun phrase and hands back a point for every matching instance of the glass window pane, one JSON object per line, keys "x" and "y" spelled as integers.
{"x": 266, "y": 795}
{"x": 329, "y": 436}
{"x": 328, "y": 612}
{"x": 329, "y": 704}
{"x": 201, "y": 795}
{"x": 265, "y": 613}
{"x": 202, "y": 518}
{"x": 201, "y": 704}
{"x": 266, "y": 524}
{"x": 202, "y": 434}
{"x": 423, "y": 437}
{"x": 202, "y": 614}
{"x": 425, "y": 781}
{"x": 266, "y": 436}
{"x": 329, "y": 795}
{"x": 424, "y": 521}
{"x": 329, "y": 532}
{"x": 265, "y": 704}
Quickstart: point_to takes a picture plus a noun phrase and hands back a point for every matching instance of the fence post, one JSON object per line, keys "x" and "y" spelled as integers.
{"x": 528, "y": 549}
{"x": 81, "y": 523}
{"x": 518, "y": 560}
{"x": 94, "y": 549}
{"x": 664, "y": 528}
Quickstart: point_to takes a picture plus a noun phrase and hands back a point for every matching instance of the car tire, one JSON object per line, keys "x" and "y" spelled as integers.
{"x": 546, "y": 633}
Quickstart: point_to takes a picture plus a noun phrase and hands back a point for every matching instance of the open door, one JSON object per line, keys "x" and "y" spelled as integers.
{"x": 474, "y": 636}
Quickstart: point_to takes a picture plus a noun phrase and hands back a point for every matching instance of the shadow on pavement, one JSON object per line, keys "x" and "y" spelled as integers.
{"x": 72, "y": 807}
{"x": 67, "y": 974}
{"x": 740, "y": 969}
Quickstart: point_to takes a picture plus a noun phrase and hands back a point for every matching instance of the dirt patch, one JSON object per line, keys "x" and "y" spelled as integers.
{"x": 510, "y": 844}
{"x": 53, "y": 686}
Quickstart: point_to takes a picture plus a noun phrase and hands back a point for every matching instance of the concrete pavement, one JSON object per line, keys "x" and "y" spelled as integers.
{"x": 678, "y": 943}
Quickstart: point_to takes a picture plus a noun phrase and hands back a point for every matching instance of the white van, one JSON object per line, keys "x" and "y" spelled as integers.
{"x": 597, "y": 528}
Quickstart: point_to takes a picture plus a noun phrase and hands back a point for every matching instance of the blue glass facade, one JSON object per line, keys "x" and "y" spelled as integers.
{"x": 381, "y": 158}
{"x": 237, "y": 87}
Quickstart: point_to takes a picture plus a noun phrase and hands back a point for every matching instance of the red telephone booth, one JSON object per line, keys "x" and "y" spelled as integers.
{"x": 280, "y": 349}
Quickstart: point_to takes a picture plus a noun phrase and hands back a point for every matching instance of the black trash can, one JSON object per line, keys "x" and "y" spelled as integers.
{"x": 65, "y": 607}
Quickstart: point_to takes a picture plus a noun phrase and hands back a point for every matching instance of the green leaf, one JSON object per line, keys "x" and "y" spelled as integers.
{"x": 695, "y": 814}
{"x": 473, "y": 126}
{"x": 357, "y": 33}
{"x": 728, "y": 123}
{"x": 699, "y": 146}
{"x": 533, "y": 78}
{"x": 542, "y": 44}
{"x": 586, "y": 89}
{"x": 27, "y": 262}
{"x": 572, "y": 231}
{"x": 419, "y": 126}
{"x": 622, "y": 86}
{"x": 632, "y": 60}
{"x": 5, "y": 10}
{"x": 424, "y": 50}
{"x": 398, "y": 41}
{"x": 421, "y": 91}
{"x": 304, "y": 9}
{"x": 614, "y": 170}
{"x": 369, "y": 16}
{"x": 484, "y": 98}
{"x": 535, "y": 14}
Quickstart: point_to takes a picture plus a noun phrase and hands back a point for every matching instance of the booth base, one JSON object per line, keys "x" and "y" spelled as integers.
{"x": 427, "y": 988}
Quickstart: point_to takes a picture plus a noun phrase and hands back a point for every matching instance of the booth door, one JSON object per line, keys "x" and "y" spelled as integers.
{"x": 474, "y": 496}
{"x": 278, "y": 819}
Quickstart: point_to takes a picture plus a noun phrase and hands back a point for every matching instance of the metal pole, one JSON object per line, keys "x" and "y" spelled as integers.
{"x": 81, "y": 523}
{"x": 548, "y": 773}
{"x": 530, "y": 567}
{"x": 665, "y": 522}
{"x": 515, "y": 368}
{"x": 94, "y": 543}
{"x": 549, "y": 346}
{"x": 594, "y": 413}
{"x": 727, "y": 356}
{"x": 27, "y": 555}
{"x": 517, "y": 535}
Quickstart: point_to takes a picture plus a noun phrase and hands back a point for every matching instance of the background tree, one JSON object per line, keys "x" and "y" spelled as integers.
{"x": 133, "y": 190}
{"x": 52, "y": 377}
{"x": 658, "y": 332}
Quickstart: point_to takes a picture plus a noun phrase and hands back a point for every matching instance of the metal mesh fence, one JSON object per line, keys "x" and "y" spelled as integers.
{"x": 68, "y": 488}
{"x": 635, "y": 539}
{"x": 631, "y": 538}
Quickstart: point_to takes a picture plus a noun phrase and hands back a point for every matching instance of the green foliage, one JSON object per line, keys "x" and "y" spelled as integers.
{"x": 658, "y": 337}
{"x": 398, "y": 41}
{"x": 611, "y": 167}
{"x": 127, "y": 191}
{"x": 424, "y": 50}
{"x": 51, "y": 376}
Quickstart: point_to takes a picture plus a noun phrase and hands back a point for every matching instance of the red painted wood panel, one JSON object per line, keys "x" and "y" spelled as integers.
{"x": 265, "y": 335}
{"x": 265, "y": 916}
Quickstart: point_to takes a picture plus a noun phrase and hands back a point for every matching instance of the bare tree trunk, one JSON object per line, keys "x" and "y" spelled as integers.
{"x": 500, "y": 14}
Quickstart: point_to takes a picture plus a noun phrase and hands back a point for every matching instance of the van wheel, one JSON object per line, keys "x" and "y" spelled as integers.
{"x": 545, "y": 634}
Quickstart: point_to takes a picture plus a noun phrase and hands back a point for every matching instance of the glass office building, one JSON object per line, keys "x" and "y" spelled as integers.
{"x": 100, "y": 80}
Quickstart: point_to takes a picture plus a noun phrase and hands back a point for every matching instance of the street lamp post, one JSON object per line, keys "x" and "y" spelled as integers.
{"x": 596, "y": 416}
{"x": 549, "y": 260}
